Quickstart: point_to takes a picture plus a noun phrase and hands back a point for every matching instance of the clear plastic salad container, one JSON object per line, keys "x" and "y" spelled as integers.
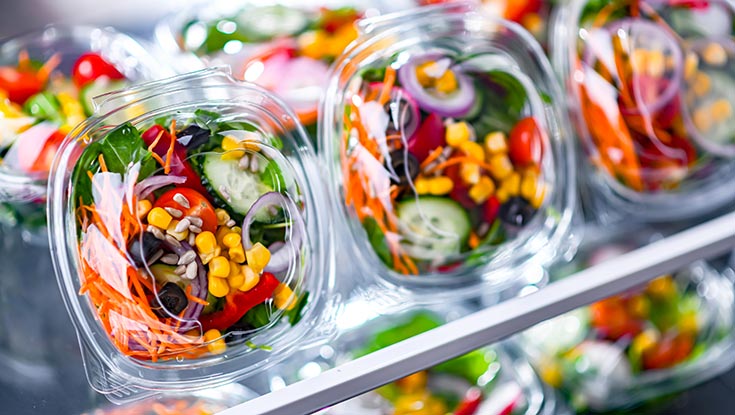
{"x": 47, "y": 80}
{"x": 650, "y": 88}
{"x": 188, "y": 235}
{"x": 285, "y": 46}
{"x": 449, "y": 158}
{"x": 661, "y": 338}
{"x": 494, "y": 380}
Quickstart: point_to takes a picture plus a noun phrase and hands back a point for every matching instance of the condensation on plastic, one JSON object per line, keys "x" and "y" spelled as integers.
{"x": 510, "y": 370}
{"x": 615, "y": 388}
{"x": 665, "y": 193}
{"x": 453, "y": 29}
{"x": 121, "y": 377}
{"x": 23, "y": 196}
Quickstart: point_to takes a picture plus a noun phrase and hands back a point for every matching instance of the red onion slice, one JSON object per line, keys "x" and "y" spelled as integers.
{"x": 149, "y": 185}
{"x": 199, "y": 287}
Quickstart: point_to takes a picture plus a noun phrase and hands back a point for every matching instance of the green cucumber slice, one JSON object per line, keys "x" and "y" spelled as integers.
{"x": 98, "y": 87}
{"x": 268, "y": 22}
{"x": 238, "y": 188}
{"x": 440, "y": 227}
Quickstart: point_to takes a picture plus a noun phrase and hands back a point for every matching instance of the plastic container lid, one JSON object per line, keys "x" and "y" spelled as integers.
{"x": 649, "y": 85}
{"x": 493, "y": 380}
{"x": 486, "y": 185}
{"x": 647, "y": 343}
{"x": 201, "y": 260}
{"x": 33, "y": 125}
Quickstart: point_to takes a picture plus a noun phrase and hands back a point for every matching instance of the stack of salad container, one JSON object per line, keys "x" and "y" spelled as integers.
{"x": 486, "y": 381}
{"x": 650, "y": 86}
{"x": 449, "y": 161}
{"x": 642, "y": 345}
{"x": 187, "y": 237}
{"x": 47, "y": 80}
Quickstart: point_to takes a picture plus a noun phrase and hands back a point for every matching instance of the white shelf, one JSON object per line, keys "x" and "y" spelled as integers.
{"x": 496, "y": 323}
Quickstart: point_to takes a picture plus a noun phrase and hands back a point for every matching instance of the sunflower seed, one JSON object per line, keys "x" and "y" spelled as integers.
{"x": 187, "y": 258}
{"x": 191, "y": 271}
{"x": 254, "y": 165}
{"x": 195, "y": 220}
{"x": 192, "y": 239}
{"x": 158, "y": 233}
{"x": 155, "y": 257}
{"x": 195, "y": 229}
{"x": 170, "y": 259}
{"x": 182, "y": 225}
{"x": 180, "y": 270}
{"x": 182, "y": 200}
{"x": 173, "y": 241}
{"x": 223, "y": 191}
{"x": 174, "y": 212}
{"x": 244, "y": 162}
{"x": 230, "y": 223}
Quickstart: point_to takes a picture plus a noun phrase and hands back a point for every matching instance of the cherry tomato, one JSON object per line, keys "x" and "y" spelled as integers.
{"x": 460, "y": 192}
{"x": 516, "y": 10}
{"x": 668, "y": 352}
{"x": 19, "y": 85}
{"x": 490, "y": 210}
{"x": 470, "y": 403}
{"x": 179, "y": 165}
{"x": 429, "y": 136}
{"x": 91, "y": 66}
{"x": 612, "y": 319}
{"x": 525, "y": 144}
{"x": 198, "y": 206}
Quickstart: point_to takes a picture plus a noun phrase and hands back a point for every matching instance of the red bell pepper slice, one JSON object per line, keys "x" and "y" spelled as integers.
{"x": 469, "y": 404}
{"x": 238, "y": 303}
{"x": 179, "y": 165}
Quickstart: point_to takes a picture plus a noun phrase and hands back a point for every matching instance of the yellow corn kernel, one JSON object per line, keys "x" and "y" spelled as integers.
{"x": 534, "y": 24}
{"x": 721, "y": 110}
{"x": 639, "y": 306}
{"x": 72, "y": 108}
{"x": 311, "y": 43}
{"x": 251, "y": 279}
{"x": 440, "y": 185}
{"x": 551, "y": 373}
{"x": 496, "y": 143}
{"x": 473, "y": 150}
{"x": 422, "y": 186}
{"x": 482, "y": 191}
{"x": 171, "y": 230}
{"x": 702, "y": 84}
{"x": 215, "y": 342}
{"x": 258, "y": 257}
{"x": 512, "y": 184}
{"x": 502, "y": 195}
{"x": 470, "y": 173}
{"x": 662, "y": 288}
{"x": 231, "y": 240}
{"x": 236, "y": 229}
{"x": 540, "y": 196}
{"x": 222, "y": 231}
{"x": 639, "y": 60}
{"x": 529, "y": 185}
{"x": 222, "y": 216}
{"x": 702, "y": 120}
{"x": 283, "y": 297}
{"x": 458, "y": 133}
{"x": 446, "y": 83}
{"x": 688, "y": 323}
{"x": 341, "y": 39}
{"x": 205, "y": 242}
{"x": 218, "y": 287}
{"x": 233, "y": 148}
{"x": 656, "y": 64}
{"x": 643, "y": 342}
{"x": 714, "y": 54}
{"x": 422, "y": 76}
{"x": 237, "y": 254}
{"x": 413, "y": 383}
{"x": 219, "y": 267}
{"x": 159, "y": 217}
{"x": 500, "y": 166}
{"x": 236, "y": 279}
{"x": 144, "y": 206}
{"x": 691, "y": 64}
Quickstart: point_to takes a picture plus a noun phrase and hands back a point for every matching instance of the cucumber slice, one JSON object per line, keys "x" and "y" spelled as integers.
{"x": 98, "y": 87}
{"x": 440, "y": 227}
{"x": 238, "y": 188}
{"x": 268, "y": 22}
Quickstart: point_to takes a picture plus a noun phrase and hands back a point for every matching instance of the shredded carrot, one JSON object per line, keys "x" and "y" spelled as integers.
{"x": 24, "y": 61}
{"x": 170, "y": 152}
{"x": 458, "y": 160}
{"x": 431, "y": 157}
{"x": 195, "y": 299}
{"x": 388, "y": 82}
{"x": 155, "y": 142}
{"x": 103, "y": 165}
{"x": 45, "y": 72}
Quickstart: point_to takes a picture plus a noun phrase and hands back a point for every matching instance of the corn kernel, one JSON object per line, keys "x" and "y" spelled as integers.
{"x": 721, "y": 110}
{"x": 512, "y": 184}
{"x": 231, "y": 240}
{"x": 341, "y": 39}
{"x": 171, "y": 230}
{"x": 457, "y": 133}
{"x": 215, "y": 342}
{"x": 219, "y": 267}
{"x": 714, "y": 54}
{"x": 688, "y": 323}
{"x": 283, "y": 297}
{"x": 413, "y": 383}
{"x": 551, "y": 373}
{"x": 446, "y": 83}
{"x": 237, "y": 254}
{"x": 691, "y": 64}
{"x": 496, "y": 143}
{"x": 251, "y": 279}
{"x": 500, "y": 166}
{"x": 482, "y": 191}
{"x": 311, "y": 43}
{"x": 502, "y": 195}
{"x": 159, "y": 218}
{"x": 236, "y": 279}
{"x": 528, "y": 185}
{"x": 422, "y": 186}
{"x": 143, "y": 207}
{"x": 222, "y": 216}
{"x": 470, "y": 173}
{"x": 534, "y": 24}
{"x": 218, "y": 287}
{"x": 639, "y": 60}
{"x": 643, "y": 342}
{"x": 222, "y": 231}
{"x": 473, "y": 150}
{"x": 440, "y": 185}
{"x": 422, "y": 76}
{"x": 656, "y": 64}
{"x": 540, "y": 196}
{"x": 258, "y": 257}
{"x": 701, "y": 84}
{"x": 205, "y": 242}
{"x": 233, "y": 148}
{"x": 662, "y": 288}
{"x": 639, "y": 306}
{"x": 702, "y": 120}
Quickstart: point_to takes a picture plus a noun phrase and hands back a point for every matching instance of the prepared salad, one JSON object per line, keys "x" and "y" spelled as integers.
{"x": 660, "y": 338}
{"x": 650, "y": 83}
{"x": 445, "y": 153}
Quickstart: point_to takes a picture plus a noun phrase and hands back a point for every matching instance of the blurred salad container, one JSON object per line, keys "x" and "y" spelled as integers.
{"x": 284, "y": 46}
{"x": 186, "y": 235}
{"x": 489, "y": 381}
{"x": 47, "y": 81}
{"x": 663, "y": 337}
{"x": 448, "y": 157}
{"x": 650, "y": 86}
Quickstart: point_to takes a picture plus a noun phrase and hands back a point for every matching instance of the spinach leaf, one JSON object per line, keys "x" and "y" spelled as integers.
{"x": 257, "y": 317}
{"x": 377, "y": 241}
{"x": 500, "y": 114}
{"x": 294, "y": 316}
